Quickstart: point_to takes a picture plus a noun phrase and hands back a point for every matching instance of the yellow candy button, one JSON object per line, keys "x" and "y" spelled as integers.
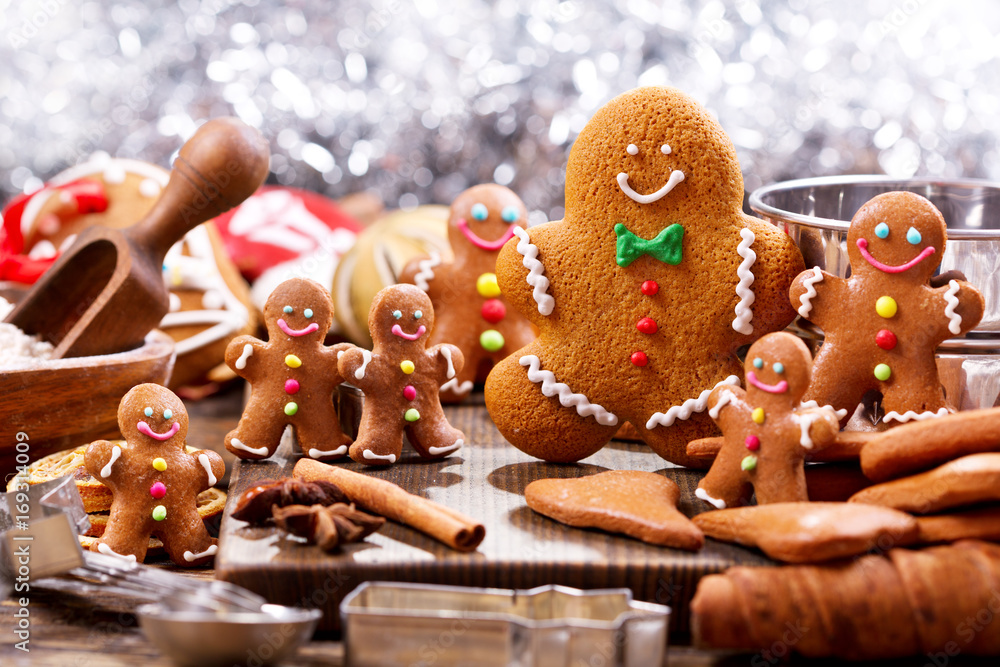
{"x": 159, "y": 464}
{"x": 757, "y": 415}
{"x": 292, "y": 361}
{"x": 486, "y": 285}
{"x": 885, "y": 306}
{"x": 407, "y": 367}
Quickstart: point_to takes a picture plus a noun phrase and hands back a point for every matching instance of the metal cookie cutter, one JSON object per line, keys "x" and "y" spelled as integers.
{"x": 416, "y": 624}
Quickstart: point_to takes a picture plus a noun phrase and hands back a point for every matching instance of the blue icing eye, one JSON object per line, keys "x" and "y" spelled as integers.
{"x": 417, "y": 314}
{"x": 168, "y": 413}
{"x": 288, "y": 310}
{"x": 479, "y": 211}
{"x": 397, "y": 314}
{"x": 510, "y": 214}
{"x": 758, "y": 363}
{"x": 913, "y": 236}
{"x": 779, "y": 368}
{"x": 308, "y": 312}
{"x": 148, "y": 412}
{"x": 881, "y": 230}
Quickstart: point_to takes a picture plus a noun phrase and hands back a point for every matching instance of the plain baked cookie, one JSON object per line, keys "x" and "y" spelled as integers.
{"x": 644, "y": 292}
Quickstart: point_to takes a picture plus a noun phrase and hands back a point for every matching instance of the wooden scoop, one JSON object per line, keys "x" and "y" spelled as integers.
{"x": 106, "y": 292}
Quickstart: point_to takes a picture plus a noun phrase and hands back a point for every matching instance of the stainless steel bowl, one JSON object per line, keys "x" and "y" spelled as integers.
{"x": 817, "y": 211}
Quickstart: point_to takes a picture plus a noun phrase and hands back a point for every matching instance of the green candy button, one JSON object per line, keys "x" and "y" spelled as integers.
{"x": 749, "y": 463}
{"x": 159, "y": 513}
{"x": 883, "y": 372}
{"x": 291, "y": 408}
{"x": 491, "y": 340}
{"x": 411, "y": 415}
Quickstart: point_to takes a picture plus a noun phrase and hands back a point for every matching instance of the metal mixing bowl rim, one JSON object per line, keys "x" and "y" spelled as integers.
{"x": 297, "y": 616}
{"x": 768, "y": 211}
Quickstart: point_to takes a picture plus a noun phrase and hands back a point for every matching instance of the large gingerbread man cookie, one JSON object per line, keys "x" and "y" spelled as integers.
{"x": 472, "y": 313}
{"x": 644, "y": 292}
{"x": 155, "y": 481}
{"x": 292, "y": 376}
{"x": 882, "y": 324}
{"x": 401, "y": 378}
{"x": 766, "y": 434}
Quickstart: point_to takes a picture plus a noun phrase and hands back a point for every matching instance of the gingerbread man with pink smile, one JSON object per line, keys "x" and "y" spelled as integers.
{"x": 883, "y": 324}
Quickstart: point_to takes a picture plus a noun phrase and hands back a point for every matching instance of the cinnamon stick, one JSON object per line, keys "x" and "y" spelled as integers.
{"x": 378, "y": 496}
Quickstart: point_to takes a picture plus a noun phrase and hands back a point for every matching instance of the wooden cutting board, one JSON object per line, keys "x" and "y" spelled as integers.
{"x": 485, "y": 480}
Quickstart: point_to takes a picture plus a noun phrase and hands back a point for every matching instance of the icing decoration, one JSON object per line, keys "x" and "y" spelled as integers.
{"x": 372, "y": 456}
{"x": 567, "y": 398}
{"x": 482, "y": 243}
{"x": 510, "y": 214}
{"x": 159, "y": 464}
{"x": 665, "y": 149}
{"x": 887, "y": 268}
{"x": 148, "y": 412}
{"x": 425, "y": 271}
{"x": 446, "y": 353}
{"x": 913, "y": 236}
{"x": 397, "y": 314}
{"x": 149, "y": 188}
{"x": 409, "y": 392}
{"x": 676, "y": 176}
{"x": 116, "y": 453}
{"x": 107, "y": 551}
{"x": 632, "y": 149}
{"x": 885, "y": 339}
{"x": 191, "y": 557}
{"x": 809, "y": 282}
{"x": 259, "y": 451}
{"x": 493, "y": 310}
{"x": 168, "y": 414}
{"x": 757, "y": 415}
{"x": 159, "y": 513}
{"x": 313, "y": 327}
{"x": 292, "y": 361}
{"x": 885, "y": 306}
{"x": 291, "y": 408}
{"x": 715, "y": 502}
{"x": 434, "y": 451}
{"x": 639, "y": 359}
{"x": 143, "y": 428}
{"x": 649, "y": 287}
{"x": 910, "y": 415}
{"x": 317, "y": 454}
{"x": 241, "y": 363}
{"x": 158, "y": 490}
{"x": 805, "y": 422}
{"x": 452, "y": 385}
{"x": 724, "y": 398}
{"x": 491, "y": 340}
{"x": 758, "y": 363}
{"x": 955, "y": 320}
{"x": 779, "y": 388}
{"x": 749, "y": 463}
{"x": 411, "y": 415}
{"x": 747, "y": 297}
{"x": 398, "y": 330}
{"x": 486, "y": 285}
{"x": 687, "y": 408}
{"x": 479, "y": 211}
{"x": 752, "y": 443}
{"x": 407, "y": 366}
{"x": 815, "y": 404}
{"x": 288, "y": 310}
{"x": 536, "y": 271}
{"x": 417, "y": 314}
{"x": 778, "y": 367}
{"x": 207, "y": 465}
{"x": 882, "y": 230}
{"x": 646, "y": 325}
{"x": 664, "y": 247}
{"x": 308, "y": 312}
{"x": 883, "y": 372}
{"x": 366, "y": 357}
{"x": 292, "y": 386}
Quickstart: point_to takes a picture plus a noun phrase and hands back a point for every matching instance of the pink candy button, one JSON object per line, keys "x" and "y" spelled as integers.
{"x": 409, "y": 392}
{"x": 158, "y": 490}
{"x": 291, "y": 386}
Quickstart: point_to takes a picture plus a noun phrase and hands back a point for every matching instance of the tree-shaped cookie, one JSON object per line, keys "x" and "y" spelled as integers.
{"x": 644, "y": 292}
{"x": 155, "y": 481}
{"x": 882, "y": 324}
{"x": 400, "y": 378}
{"x": 766, "y": 433}
{"x": 471, "y": 311}
{"x": 292, "y": 376}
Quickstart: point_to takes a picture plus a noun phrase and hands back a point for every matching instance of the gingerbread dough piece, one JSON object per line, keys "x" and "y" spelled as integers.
{"x": 810, "y": 532}
{"x": 292, "y": 376}
{"x": 401, "y": 378}
{"x": 976, "y": 524}
{"x": 966, "y": 481}
{"x": 471, "y": 311}
{"x": 155, "y": 482}
{"x": 644, "y": 292}
{"x": 642, "y": 505}
{"x": 883, "y": 324}
{"x": 766, "y": 432}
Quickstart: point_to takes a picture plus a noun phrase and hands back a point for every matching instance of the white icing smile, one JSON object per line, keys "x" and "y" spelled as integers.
{"x": 676, "y": 176}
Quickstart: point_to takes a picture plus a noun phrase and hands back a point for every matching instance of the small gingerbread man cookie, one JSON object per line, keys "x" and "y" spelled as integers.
{"x": 471, "y": 311}
{"x": 765, "y": 431}
{"x": 401, "y": 377}
{"x": 292, "y": 376}
{"x": 155, "y": 481}
{"x": 882, "y": 324}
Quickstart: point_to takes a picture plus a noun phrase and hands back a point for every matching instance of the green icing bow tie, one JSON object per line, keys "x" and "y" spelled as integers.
{"x": 666, "y": 247}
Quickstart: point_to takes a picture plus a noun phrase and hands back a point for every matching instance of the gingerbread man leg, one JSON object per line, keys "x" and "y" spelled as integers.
{"x": 255, "y": 437}
{"x": 379, "y": 441}
{"x": 786, "y": 481}
{"x": 123, "y": 539}
{"x": 322, "y": 444}
{"x": 432, "y": 436}
{"x": 842, "y": 389}
{"x": 904, "y": 401}
{"x": 187, "y": 541}
{"x": 726, "y": 485}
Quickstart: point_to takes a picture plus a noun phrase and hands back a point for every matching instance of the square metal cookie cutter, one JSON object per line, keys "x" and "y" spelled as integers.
{"x": 418, "y": 624}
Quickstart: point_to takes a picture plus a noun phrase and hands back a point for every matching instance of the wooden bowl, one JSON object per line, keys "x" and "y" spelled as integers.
{"x": 65, "y": 403}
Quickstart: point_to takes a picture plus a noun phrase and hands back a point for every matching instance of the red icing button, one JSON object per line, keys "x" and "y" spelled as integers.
{"x": 493, "y": 310}
{"x": 752, "y": 442}
{"x": 409, "y": 392}
{"x": 291, "y": 386}
{"x": 158, "y": 490}
{"x": 650, "y": 287}
{"x": 885, "y": 339}
{"x": 639, "y": 359}
{"x": 646, "y": 325}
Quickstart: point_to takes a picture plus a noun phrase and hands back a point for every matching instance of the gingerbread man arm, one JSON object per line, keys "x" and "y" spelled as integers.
{"x": 448, "y": 360}
{"x": 243, "y": 355}
{"x": 211, "y": 465}
{"x": 331, "y": 358}
{"x": 727, "y": 406}
{"x": 353, "y": 363}
{"x": 100, "y": 459}
{"x": 775, "y": 259}
{"x": 426, "y": 273}
{"x": 809, "y": 294}
{"x": 962, "y": 305}
{"x": 819, "y": 428}
{"x": 522, "y": 275}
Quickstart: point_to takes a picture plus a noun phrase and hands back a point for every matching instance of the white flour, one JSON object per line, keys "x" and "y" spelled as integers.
{"x": 18, "y": 350}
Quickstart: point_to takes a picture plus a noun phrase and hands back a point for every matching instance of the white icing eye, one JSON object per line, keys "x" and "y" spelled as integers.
{"x": 168, "y": 414}
{"x": 148, "y": 412}
{"x": 665, "y": 149}
{"x": 397, "y": 314}
{"x": 632, "y": 149}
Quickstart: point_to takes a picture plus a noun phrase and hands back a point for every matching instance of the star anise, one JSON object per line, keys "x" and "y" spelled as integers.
{"x": 255, "y": 505}
{"x": 327, "y": 527}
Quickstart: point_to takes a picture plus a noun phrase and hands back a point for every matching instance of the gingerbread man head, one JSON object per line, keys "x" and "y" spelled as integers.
{"x": 300, "y": 309}
{"x": 400, "y": 319}
{"x": 152, "y": 416}
{"x": 899, "y": 234}
{"x": 777, "y": 368}
{"x": 483, "y": 218}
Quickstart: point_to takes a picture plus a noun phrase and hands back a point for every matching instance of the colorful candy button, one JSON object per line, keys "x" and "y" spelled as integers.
{"x": 409, "y": 392}
{"x": 159, "y": 513}
{"x": 885, "y": 306}
{"x": 493, "y": 310}
{"x": 486, "y": 285}
{"x": 158, "y": 490}
{"x": 639, "y": 359}
{"x": 649, "y": 287}
{"x": 291, "y": 408}
{"x": 159, "y": 464}
{"x": 646, "y": 325}
{"x": 749, "y": 462}
{"x": 292, "y": 361}
{"x": 491, "y": 340}
{"x": 407, "y": 366}
{"x": 752, "y": 442}
{"x": 885, "y": 339}
{"x": 291, "y": 386}
{"x": 883, "y": 372}
{"x": 757, "y": 415}
{"x": 411, "y": 415}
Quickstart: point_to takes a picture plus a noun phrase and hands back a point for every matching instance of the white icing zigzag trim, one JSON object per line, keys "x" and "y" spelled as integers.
{"x": 809, "y": 282}
{"x": 955, "y": 326}
{"x": 453, "y": 385}
{"x": 567, "y": 398}
{"x": 747, "y": 297}
{"x": 425, "y": 272}
{"x": 366, "y": 358}
{"x": 814, "y": 404}
{"x": 685, "y": 409}
{"x": 910, "y": 415}
{"x": 724, "y": 399}
{"x": 536, "y": 271}
{"x": 715, "y": 502}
